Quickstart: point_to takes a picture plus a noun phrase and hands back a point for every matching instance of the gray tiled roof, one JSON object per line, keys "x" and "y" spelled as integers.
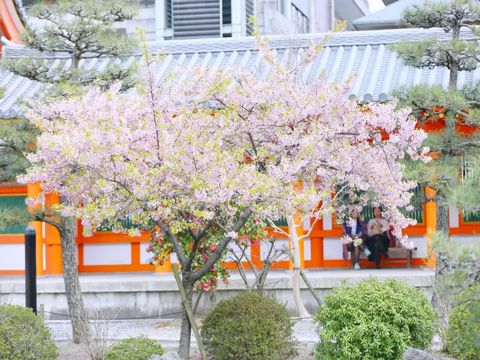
{"x": 363, "y": 55}
{"x": 388, "y": 17}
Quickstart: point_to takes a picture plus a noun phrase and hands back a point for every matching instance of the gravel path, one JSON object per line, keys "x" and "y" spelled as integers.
{"x": 167, "y": 331}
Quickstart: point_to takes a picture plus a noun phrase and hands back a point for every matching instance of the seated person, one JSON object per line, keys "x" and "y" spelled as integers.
{"x": 353, "y": 234}
{"x": 377, "y": 241}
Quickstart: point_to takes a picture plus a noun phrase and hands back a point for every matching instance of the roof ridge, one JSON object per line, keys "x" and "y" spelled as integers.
{"x": 338, "y": 39}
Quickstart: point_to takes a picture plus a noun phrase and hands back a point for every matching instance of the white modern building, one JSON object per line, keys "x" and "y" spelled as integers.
{"x": 186, "y": 19}
{"x": 180, "y": 19}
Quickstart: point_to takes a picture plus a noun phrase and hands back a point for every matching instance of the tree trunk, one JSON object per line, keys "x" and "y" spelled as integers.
{"x": 442, "y": 217}
{"x": 76, "y": 307}
{"x": 452, "y": 84}
{"x": 302, "y": 312}
{"x": 186, "y": 330}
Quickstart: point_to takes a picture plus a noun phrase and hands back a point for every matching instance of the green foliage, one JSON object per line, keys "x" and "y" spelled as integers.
{"x": 137, "y": 348}
{"x": 23, "y": 336}
{"x": 373, "y": 320}
{"x": 463, "y": 335}
{"x": 432, "y": 53}
{"x": 455, "y": 53}
{"x": 453, "y": 107}
{"x": 11, "y": 217}
{"x": 248, "y": 327}
{"x": 17, "y": 137}
{"x": 161, "y": 247}
{"x": 442, "y": 14}
{"x": 457, "y": 295}
{"x": 467, "y": 196}
{"x": 78, "y": 29}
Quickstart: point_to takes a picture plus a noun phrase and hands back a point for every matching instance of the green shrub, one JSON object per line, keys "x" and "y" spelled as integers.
{"x": 136, "y": 348}
{"x": 373, "y": 320}
{"x": 249, "y": 327}
{"x": 23, "y": 336}
{"x": 463, "y": 334}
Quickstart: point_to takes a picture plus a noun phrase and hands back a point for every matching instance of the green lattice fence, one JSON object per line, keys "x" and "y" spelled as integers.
{"x": 471, "y": 216}
{"x": 417, "y": 212}
{"x": 13, "y": 201}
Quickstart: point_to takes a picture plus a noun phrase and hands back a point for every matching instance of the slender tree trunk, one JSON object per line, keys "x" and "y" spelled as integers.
{"x": 76, "y": 307}
{"x": 452, "y": 84}
{"x": 442, "y": 217}
{"x": 454, "y": 63}
{"x": 186, "y": 329}
{"x": 302, "y": 312}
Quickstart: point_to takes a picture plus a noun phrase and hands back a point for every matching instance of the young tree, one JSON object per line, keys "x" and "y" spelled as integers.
{"x": 193, "y": 159}
{"x": 453, "y": 113}
{"x": 80, "y": 29}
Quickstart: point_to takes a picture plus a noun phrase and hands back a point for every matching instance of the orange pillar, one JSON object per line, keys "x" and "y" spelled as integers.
{"x": 33, "y": 190}
{"x": 431, "y": 224}
{"x": 166, "y": 267}
{"x": 53, "y": 250}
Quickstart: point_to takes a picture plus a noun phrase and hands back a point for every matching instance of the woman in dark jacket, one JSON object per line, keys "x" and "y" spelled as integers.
{"x": 353, "y": 235}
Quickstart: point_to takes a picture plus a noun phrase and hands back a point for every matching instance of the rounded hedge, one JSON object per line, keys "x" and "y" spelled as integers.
{"x": 374, "y": 320}
{"x": 248, "y": 327}
{"x": 463, "y": 334}
{"x": 23, "y": 336}
{"x": 135, "y": 348}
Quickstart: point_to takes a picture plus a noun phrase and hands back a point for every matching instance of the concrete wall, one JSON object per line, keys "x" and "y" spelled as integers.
{"x": 130, "y": 296}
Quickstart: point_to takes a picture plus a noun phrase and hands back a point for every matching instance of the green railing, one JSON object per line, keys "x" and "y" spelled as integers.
{"x": 17, "y": 201}
{"x": 417, "y": 212}
{"x": 281, "y": 222}
{"x": 126, "y": 224}
{"x": 471, "y": 216}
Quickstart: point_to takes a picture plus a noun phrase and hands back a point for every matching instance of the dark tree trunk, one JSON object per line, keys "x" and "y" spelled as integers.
{"x": 442, "y": 218}
{"x": 76, "y": 307}
{"x": 454, "y": 61}
{"x": 186, "y": 330}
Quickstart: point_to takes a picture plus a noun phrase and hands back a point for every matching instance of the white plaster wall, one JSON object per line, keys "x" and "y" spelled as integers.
{"x": 144, "y": 255}
{"x": 466, "y": 239}
{"x": 279, "y": 244}
{"x": 12, "y": 257}
{"x": 332, "y": 248}
{"x": 307, "y": 246}
{"x": 421, "y": 245}
{"x": 233, "y": 246}
{"x": 327, "y": 222}
{"x": 107, "y": 254}
{"x": 453, "y": 217}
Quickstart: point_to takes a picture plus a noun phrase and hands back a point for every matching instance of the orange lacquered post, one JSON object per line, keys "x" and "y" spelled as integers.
{"x": 53, "y": 245}
{"x": 33, "y": 190}
{"x": 431, "y": 224}
{"x": 166, "y": 267}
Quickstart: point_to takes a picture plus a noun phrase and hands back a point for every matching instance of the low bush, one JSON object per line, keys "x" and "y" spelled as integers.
{"x": 463, "y": 334}
{"x": 23, "y": 336}
{"x": 249, "y": 327}
{"x": 373, "y": 320}
{"x": 136, "y": 348}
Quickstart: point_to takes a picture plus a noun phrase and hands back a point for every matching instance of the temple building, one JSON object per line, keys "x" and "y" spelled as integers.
{"x": 362, "y": 58}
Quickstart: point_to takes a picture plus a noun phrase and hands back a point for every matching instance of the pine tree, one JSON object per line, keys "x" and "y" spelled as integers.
{"x": 79, "y": 29}
{"x": 455, "y": 112}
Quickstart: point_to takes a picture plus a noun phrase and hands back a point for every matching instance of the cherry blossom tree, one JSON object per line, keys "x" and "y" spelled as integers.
{"x": 195, "y": 157}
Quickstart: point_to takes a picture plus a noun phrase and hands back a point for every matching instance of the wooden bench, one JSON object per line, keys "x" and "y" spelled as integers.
{"x": 401, "y": 250}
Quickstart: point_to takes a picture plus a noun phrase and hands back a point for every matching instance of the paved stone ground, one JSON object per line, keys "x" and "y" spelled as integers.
{"x": 70, "y": 351}
{"x": 167, "y": 331}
